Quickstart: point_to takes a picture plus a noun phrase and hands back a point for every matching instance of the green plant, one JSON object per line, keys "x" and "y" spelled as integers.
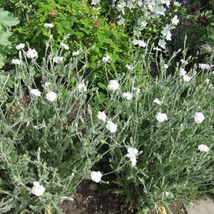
{"x": 6, "y": 23}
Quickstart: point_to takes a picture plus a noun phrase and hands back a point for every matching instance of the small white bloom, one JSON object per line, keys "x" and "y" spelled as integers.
{"x": 102, "y": 116}
{"x": 127, "y": 95}
{"x": 16, "y": 61}
{"x": 113, "y": 85}
{"x": 129, "y": 67}
{"x": 177, "y": 4}
{"x": 94, "y": 2}
{"x": 57, "y": 59}
{"x": 137, "y": 90}
{"x": 48, "y": 25}
{"x": 106, "y": 58}
{"x": 182, "y": 72}
{"x": 132, "y": 155}
{"x": 37, "y": 189}
{"x": 112, "y": 127}
{"x": 121, "y": 21}
{"x": 141, "y": 43}
{"x": 162, "y": 43}
{"x": 199, "y": 117}
{"x": 175, "y": 20}
{"x": 165, "y": 66}
{"x": 47, "y": 84}
{"x": 167, "y": 2}
{"x": 157, "y": 101}
{"x": 161, "y": 117}
{"x": 51, "y": 96}
{"x": 20, "y": 46}
{"x": 96, "y": 176}
{"x": 64, "y": 46}
{"x": 203, "y": 148}
{"x": 204, "y": 66}
{"x": 35, "y": 92}
{"x": 186, "y": 78}
{"x": 76, "y": 53}
{"x": 81, "y": 86}
{"x": 31, "y": 53}
{"x": 184, "y": 62}
{"x": 166, "y": 32}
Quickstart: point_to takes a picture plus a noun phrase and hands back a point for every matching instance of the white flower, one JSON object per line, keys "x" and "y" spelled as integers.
{"x": 64, "y": 46}
{"x": 76, "y": 53}
{"x": 127, "y": 95}
{"x": 186, "y": 78}
{"x": 162, "y": 43}
{"x": 204, "y": 66}
{"x": 102, "y": 116}
{"x": 132, "y": 155}
{"x": 177, "y": 4}
{"x": 137, "y": 90}
{"x": 113, "y": 85}
{"x": 96, "y": 176}
{"x": 16, "y": 61}
{"x": 165, "y": 66}
{"x": 203, "y": 148}
{"x": 141, "y": 43}
{"x": 161, "y": 117}
{"x": 167, "y": 2}
{"x": 129, "y": 67}
{"x": 199, "y": 117}
{"x": 106, "y": 58}
{"x": 182, "y": 72}
{"x": 47, "y": 84}
{"x": 112, "y": 127}
{"x": 31, "y": 53}
{"x": 157, "y": 101}
{"x": 35, "y": 92}
{"x": 81, "y": 86}
{"x": 121, "y": 21}
{"x": 94, "y": 2}
{"x": 160, "y": 10}
{"x": 49, "y": 25}
{"x": 57, "y": 59}
{"x": 166, "y": 32}
{"x": 20, "y": 46}
{"x": 37, "y": 189}
{"x": 51, "y": 96}
{"x": 175, "y": 20}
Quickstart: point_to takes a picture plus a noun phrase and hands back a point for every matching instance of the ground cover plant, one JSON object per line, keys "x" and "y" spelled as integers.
{"x": 128, "y": 109}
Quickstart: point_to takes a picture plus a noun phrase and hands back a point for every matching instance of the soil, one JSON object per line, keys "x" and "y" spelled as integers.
{"x": 89, "y": 201}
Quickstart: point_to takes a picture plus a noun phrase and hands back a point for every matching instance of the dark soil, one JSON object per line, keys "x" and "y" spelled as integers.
{"x": 88, "y": 200}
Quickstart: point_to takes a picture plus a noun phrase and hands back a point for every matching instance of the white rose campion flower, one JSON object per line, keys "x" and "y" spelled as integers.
{"x": 81, "y": 86}
{"x": 175, "y": 20}
{"x": 162, "y": 43}
{"x": 76, "y": 53}
{"x": 64, "y": 46}
{"x": 48, "y": 25}
{"x": 94, "y": 2}
{"x": 16, "y": 61}
{"x": 37, "y": 189}
{"x": 57, "y": 59}
{"x": 199, "y": 117}
{"x": 20, "y": 46}
{"x": 204, "y": 66}
{"x": 31, "y": 53}
{"x": 186, "y": 78}
{"x": 96, "y": 176}
{"x": 182, "y": 72}
{"x": 51, "y": 96}
{"x": 157, "y": 101}
{"x": 140, "y": 43}
{"x": 35, "y": 92}
{"x": 106, "y": 59}
{"x": 102, "y": 116}
{"x": 127, "y": 95}
{"x": 167, "y": 2}
{"x": 203, "y": 148}
{"x": 161, "y": 117}
{"x": 132, "y": 155}
{"x": 112, "y": 127}
{"x": 113, "y": 85}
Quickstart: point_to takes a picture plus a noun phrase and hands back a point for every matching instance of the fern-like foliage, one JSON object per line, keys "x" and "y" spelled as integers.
{"x": 6, "y": 22}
